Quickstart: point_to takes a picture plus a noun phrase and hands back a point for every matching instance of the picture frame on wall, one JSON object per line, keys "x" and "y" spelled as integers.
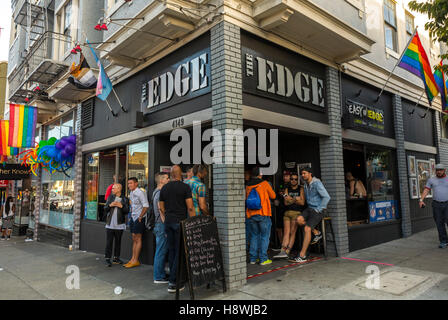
{"x": 432, "y": 165}
{"x": 413, "y": 188}
{"x": 411, "y": 166}
{"x": 423, "y": 174}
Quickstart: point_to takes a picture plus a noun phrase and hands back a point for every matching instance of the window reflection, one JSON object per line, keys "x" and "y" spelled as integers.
{"x": 379, "y": 175}
{"x": 138, "y": 163}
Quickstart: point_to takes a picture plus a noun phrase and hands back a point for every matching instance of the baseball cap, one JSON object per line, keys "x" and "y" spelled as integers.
{"x": 440, "y": 166}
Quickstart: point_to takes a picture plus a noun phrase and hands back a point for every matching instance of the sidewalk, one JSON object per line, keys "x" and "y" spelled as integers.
{"x": 411, "y": 268}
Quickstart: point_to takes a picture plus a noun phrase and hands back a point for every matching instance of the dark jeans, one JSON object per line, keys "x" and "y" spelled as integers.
{"x": 440, "y": 213}
{"x": 173, "y": 233}
{"x": 112, "y": 235}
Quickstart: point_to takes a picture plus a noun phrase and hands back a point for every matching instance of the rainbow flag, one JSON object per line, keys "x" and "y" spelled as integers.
{"x": 22, "y": 120}
{"x": 416, "y": 61}
{"x": 5, "y": 150}
{"x": 441, "y": 85}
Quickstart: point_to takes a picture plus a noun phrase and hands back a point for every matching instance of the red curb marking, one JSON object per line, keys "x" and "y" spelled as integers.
{"x": 386, "y": 264}
{"x": 280, "y": 268}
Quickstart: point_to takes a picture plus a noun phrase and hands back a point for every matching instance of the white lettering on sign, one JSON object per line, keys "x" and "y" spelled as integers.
{"x": 277, "y": 79}
{"x": 188, "y": 77}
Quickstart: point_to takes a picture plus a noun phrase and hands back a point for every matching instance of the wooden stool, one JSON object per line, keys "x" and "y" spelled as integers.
{"x": 324, "y": 234}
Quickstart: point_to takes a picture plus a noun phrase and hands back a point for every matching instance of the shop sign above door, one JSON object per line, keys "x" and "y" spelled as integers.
{"x": 362, "y": 116}
{"x": 14, "y": 172}
{"x": 182, "y": 81}
{"x": 282, "y": 75}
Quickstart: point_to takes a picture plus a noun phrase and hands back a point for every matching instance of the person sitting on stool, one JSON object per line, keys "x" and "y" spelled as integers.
{"x": 317, "y": 199}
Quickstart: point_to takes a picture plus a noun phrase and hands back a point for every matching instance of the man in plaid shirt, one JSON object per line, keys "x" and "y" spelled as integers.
{"x": 198, "y": 191}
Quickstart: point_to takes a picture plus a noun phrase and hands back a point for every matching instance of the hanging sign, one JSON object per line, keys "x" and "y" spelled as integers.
{"x": 11, "y": 171}
{"x": 362, "y": 116}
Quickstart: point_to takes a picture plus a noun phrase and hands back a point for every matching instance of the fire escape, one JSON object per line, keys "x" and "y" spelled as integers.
{"x": 40, "y": 66}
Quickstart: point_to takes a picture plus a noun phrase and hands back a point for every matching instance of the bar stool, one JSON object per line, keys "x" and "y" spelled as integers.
{"x": 327, "y": 220}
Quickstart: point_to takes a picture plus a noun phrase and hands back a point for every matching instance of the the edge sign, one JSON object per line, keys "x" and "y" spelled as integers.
{"x": 182, "y": 81}
{"x": 282, "y": 75}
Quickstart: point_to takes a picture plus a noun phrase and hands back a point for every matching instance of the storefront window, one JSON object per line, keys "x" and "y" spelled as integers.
{"x": 370, "y": 171}
{"x": 58, "y": 188}
{"x": 138, "y": 163}
{"x": 57, "y": 200}
{"x": 101, "y": 167}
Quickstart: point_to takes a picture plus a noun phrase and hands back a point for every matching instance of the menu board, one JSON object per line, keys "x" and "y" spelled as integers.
{"x": 200, "y": 252}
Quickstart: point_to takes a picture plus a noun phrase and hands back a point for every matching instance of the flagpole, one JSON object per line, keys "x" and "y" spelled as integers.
{"x": 112, "y": 111}
{"x": 121, "y": 105}
{"x": 396, "y": 64}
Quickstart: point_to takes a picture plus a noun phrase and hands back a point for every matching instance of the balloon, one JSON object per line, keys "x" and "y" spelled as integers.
{"x": 59, "y": 146}
{"x": 52, "y": 141}
{"x": 72, "y": 139}
{"x": 70, "y": 149}
{"x": 64, "y": 154}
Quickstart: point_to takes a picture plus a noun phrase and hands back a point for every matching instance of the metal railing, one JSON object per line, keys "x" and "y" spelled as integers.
{"x": 41, "y": 50}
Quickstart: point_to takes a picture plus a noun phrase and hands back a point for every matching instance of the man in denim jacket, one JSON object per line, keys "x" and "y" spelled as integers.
{"x": 317, "y": 199}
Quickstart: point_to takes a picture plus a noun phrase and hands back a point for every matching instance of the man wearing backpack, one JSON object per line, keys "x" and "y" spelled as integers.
{"x": 258, "y": 213}
{"x": 160, "y": 276}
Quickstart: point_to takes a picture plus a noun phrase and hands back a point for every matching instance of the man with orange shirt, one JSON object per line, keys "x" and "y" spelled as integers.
{"x": 259, "y": 220}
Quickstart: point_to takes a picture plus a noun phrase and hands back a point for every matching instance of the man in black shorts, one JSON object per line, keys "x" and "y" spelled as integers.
{"x": 317, "y": 199}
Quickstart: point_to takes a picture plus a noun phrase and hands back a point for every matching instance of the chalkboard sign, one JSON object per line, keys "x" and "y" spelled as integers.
{"x": 200, "y": 258}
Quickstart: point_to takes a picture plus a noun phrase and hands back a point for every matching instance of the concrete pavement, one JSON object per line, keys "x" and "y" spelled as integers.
{"x": 411, "y": 268}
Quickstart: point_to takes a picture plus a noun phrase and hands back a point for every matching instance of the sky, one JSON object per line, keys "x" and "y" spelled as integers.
{"x": 5, "y": 24}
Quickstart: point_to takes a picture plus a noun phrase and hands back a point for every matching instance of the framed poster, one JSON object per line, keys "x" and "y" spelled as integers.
{"x": 423, "y": 174}
{"x": 432, "y": 165}
{"x": 411, "y": 166}
{"x": 413, "y": 188}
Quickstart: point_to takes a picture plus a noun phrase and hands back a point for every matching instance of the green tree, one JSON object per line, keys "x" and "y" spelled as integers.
{"x": 437, "y": 11}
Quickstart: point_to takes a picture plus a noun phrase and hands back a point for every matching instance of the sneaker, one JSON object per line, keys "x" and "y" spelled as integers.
{"x": 299, "y": 259}
{"x": 276, "y": 249}
{"x": 172, "y": 288}
{"x": 164, "y": 280}
{"x": 442, "y": 245}
{"x": 281, "y": 255}
{"x": 9, "y": 238}
{"x": 3, "y": 238}
{"x": 108, "y": 263}
{"x": 117, "y": 261}
{"x": 264, "y": 263}
{"x": 253, "y": 262}
{"x": 316, "y": 238}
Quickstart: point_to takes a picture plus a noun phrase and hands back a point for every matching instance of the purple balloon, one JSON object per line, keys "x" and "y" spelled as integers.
{"x": 59, "y": 146}
{"x": 72, "y": 139}
{"x": 70, "y": 149}
{"x": 62, "y": 143}
{"x": 64, "y": 154}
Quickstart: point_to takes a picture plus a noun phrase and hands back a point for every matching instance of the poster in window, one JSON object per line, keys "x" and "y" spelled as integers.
{"x": 432, "y": 165}
{"x": 423, "y": 174}
{"x": 413, "y": 186}
{"x": 411, "y": 166}
{"x": 383, "y": 210}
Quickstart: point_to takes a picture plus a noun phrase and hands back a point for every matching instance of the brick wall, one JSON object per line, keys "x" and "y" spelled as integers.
{"x": 332, "y": 163}
{"x": 78, "y": 181}
{"x": 228, "y": 179}
{"x": 402, "y": 167}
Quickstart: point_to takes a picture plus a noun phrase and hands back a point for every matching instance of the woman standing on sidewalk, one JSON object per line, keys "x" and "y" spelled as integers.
{"x": 8, "y": 217}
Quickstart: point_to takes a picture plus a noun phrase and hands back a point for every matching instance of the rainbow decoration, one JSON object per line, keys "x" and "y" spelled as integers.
{"x": 441, "y": 85}
{"x": 416, "y": 61}
{"x": 52, "y": 155}
{"x": 5, "y": 150}
{"x": 22, "y": 127}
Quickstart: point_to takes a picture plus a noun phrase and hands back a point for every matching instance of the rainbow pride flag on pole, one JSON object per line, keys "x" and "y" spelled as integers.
{"x": 22, "y": 125}
{"x": 6, "y": 150}
{"x": 415, "y": 60}
{"x": 441, "y": 84}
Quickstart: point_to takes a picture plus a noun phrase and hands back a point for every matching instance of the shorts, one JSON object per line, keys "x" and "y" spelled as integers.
{"x": 314, "y": 218}
{"x": 7, "y": 223}
{"x": 291, "y": 215}
{"x": 136, "y": 226}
